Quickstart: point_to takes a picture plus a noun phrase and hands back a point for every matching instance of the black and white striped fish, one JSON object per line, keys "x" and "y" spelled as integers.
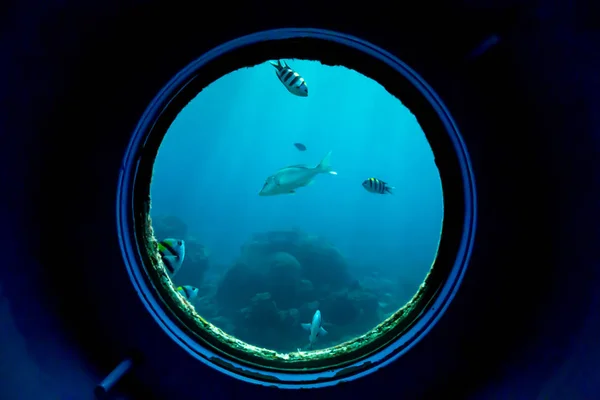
{"x": 172, "y": 253}
{"x": 375, "y": 185}
{"x": 290, "y": 79}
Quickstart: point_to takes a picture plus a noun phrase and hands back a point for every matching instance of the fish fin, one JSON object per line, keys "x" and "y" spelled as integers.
{"x": 325, "y": 165}
{"x": 390, "y": 189}
{"x": 275, "y": 64}
{"x": 322, "y": 332}
{"x": 306, "y": 327}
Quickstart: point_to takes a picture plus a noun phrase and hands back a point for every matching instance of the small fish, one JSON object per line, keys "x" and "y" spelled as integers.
{"x": 375, "y": 185}
{"x": 315, "y": 328}
{"x": 300, "y": 146}
{"x": 172, "y": 252}
{"x": 292, "y": 80}
{"x": 288, "y": 179}
{"x": 189, "y": 292}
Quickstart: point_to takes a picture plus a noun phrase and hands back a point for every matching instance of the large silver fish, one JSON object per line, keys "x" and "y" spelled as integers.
{"x": 288, "y": 179}
{"x": 315, "y": 328}
{"x": 292, "y": 80}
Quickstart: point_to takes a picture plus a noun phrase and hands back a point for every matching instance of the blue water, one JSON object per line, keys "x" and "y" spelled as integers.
{"x": 241, "y": 129}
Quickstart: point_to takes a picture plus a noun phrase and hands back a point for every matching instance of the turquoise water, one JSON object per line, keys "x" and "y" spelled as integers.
{"x": 239, "y": 130}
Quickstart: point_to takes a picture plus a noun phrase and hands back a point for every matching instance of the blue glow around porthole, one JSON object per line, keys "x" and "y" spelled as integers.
{"x": 130, "y": 250}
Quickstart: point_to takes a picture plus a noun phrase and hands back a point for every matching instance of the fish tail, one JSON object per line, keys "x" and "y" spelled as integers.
{"x": 276, "y": 64}
{"x": 390, "y": 189}
{"x": 324, "y": 166}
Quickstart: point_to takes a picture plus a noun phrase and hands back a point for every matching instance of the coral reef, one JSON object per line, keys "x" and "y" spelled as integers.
{"x": 278, "y": 282}
{"x": 281, "y": 278}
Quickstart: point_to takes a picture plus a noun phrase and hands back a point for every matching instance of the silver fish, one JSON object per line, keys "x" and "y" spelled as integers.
{"x": 292, "y": 80}
{"x": 288, "y": 179}
{"x": 315, "y": 328}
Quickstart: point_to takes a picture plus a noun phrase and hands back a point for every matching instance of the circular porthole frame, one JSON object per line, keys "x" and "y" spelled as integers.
{"x": 456, "y": 243}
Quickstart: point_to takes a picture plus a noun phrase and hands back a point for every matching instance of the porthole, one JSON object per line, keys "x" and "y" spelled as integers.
{"x": 280, "y": 258}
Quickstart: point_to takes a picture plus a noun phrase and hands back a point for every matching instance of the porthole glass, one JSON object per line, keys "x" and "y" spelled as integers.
{"x": 292, "y": 216}
{"x": 296, "y": 207}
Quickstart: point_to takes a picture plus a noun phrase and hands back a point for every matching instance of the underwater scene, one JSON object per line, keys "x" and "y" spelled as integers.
{"x": 296, "y": 205}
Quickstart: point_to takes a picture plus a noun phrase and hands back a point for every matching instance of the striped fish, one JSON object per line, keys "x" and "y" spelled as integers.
{"x": 375, "y": 185}
{"x": 189, "y": 292}
{"x": 172, "y": 253}
{"x": 290, "y": 79}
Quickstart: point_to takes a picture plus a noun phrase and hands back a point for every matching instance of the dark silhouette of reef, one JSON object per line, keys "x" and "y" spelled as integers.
{"x": 278, "y": 281}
